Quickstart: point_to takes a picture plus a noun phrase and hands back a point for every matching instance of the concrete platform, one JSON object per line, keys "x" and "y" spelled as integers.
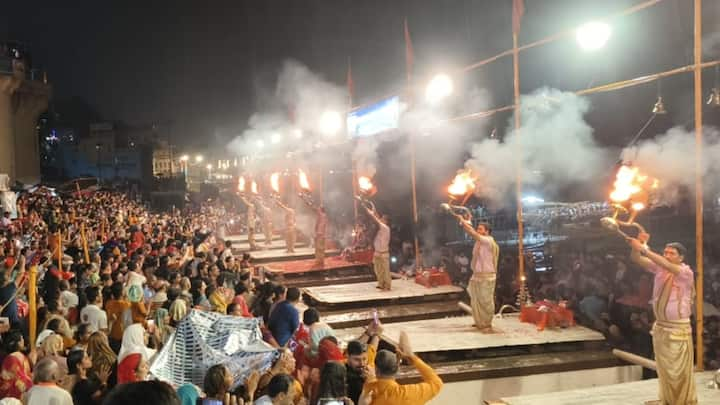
{"x": 366, "y": 294}
{"x": 632, "y": 393}
{"x": 458, "y": 334}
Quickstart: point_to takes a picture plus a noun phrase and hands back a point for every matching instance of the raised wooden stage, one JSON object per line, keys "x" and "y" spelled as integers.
{"x": 458, "y": 334}
{"x": 306, "y": 273}
{"x": 346, "y": 296}
{"x": 632, "y": 393}
{"x": 275, "y": 251}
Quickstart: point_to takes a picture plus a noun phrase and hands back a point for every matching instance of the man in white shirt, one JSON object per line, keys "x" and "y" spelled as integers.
{"x": 69, "y": 299}
{"x": 381, "y": 244}
{"x": 45, "y": 391}
{"x": 92, "y": 314}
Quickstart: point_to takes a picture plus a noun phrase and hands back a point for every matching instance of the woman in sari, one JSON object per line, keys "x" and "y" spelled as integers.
{"x": 15, "y": 373}
{"x": 134, "y": 354}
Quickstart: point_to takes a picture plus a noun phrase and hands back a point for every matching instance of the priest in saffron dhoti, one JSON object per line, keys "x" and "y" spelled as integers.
{"x": 481, "y": 287}
{"x": 673, "y": 291}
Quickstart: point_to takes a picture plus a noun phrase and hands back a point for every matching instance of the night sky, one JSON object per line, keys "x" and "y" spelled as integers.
{"x": 207, "y": 66}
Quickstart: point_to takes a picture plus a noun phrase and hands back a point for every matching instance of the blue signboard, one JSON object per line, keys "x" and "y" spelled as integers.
{"x": 375, "y": 118}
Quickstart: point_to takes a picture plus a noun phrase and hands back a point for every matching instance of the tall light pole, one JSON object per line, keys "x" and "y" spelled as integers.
{"x": 184, "y": 166}
{"x": 98, "y": 148}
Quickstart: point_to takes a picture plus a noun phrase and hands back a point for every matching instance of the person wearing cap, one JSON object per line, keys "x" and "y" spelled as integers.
{"x": 673, "y": 291}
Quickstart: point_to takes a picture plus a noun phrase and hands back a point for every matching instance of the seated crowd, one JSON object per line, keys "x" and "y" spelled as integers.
{"x": 114, "y": 281}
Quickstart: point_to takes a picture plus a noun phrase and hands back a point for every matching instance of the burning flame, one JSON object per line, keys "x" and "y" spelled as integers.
{"x": 462, "y": 184}
{"x": 632, "y": 186}
{"x": 365, "y": 184}
{"x": 275, "y": 182}
{"x": 241, "y": 184}
{"x": 303, "y": 179}
{"x": 253, "y": 187}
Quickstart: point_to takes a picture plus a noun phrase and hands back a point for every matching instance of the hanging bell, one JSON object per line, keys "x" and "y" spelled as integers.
{"x": 714, "y": 99}
{"x": 659, "y": 107}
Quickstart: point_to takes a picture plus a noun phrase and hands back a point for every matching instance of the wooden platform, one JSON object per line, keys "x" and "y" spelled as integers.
{"x": 276, "y": 255}
{"x": 243, "y": 238}
{"x": 391, "y": 313}
{"x": 306, "y": 273}
{"x": 365, "y": 294}
{"x": 633, "y": 393}
{"x": 514, "y": 366}
{"x": 277, "y": 244}
{"x": 458, "y": 334}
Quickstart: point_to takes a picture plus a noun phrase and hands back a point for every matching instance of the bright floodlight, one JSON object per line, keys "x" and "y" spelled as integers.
{"x": 275, "y": 138}
{"x": 593, "y": 35}
{"x": 440, "y": 87}
{"x": 198, "y": 158}
{"x": 330, "y": 123}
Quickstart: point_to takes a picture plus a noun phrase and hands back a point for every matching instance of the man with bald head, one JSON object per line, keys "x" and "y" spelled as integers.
{"x": 385, "y": 390}
{"x": 45, "y": 389}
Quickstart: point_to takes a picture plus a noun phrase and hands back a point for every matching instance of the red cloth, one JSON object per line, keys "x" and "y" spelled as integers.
{"x": 127, "y": 368}
{"x": 239, "y": 300}
{"x": 15, "y": 378}
{"x": 547, "y": 314}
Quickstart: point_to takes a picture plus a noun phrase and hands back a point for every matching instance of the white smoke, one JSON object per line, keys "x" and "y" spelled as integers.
{"x": 292, "y": 118}
{"x": 670, "y": 158}
{"x": 554, "y": 145}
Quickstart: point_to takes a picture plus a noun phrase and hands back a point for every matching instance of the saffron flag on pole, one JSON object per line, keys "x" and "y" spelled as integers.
{"x": 409, "y": 57}
{"x": 517, "y": 14}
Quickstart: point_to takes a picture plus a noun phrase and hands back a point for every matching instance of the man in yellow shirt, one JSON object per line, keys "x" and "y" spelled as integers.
{"x": 386, "y": 391}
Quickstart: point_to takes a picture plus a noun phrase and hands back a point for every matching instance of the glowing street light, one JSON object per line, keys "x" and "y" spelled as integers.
{"x": 209, "y": 167}
{"x": 198, "y": 158}
{"x": 593, "y": 35}
{"x": 184, "y": 158}
{"x": 330, "y": 123}
{"x": 275, "y": 138}
{"x": 439, "y": 88}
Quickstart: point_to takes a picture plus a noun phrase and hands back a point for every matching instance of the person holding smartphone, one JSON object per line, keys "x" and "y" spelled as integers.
{"x": 385, "y": 390}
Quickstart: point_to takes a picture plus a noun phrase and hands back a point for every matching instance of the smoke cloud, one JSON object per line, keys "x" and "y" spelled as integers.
{"x": 292, "y": 116}
{"x": 554, "y": 144}
{"x": 670, "y": 158}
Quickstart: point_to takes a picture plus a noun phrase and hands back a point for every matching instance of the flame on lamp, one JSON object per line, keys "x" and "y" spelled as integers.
{"x": 253, "y": 187}
{"x": 275, "y": 182}
{"x": 303, "y": 180}
{"x": 241, "y": 184}
{"x": 462, "y": 184}
{"x": 632, "y": 187}
{"x": 365, "y": 184}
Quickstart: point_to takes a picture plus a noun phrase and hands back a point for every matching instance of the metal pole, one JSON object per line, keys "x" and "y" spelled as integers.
{"x": 418, "y": 256}
{"x": 518, "y": 179}
{"x": 355, "y": 189}
{"x": 699, "y": 349}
